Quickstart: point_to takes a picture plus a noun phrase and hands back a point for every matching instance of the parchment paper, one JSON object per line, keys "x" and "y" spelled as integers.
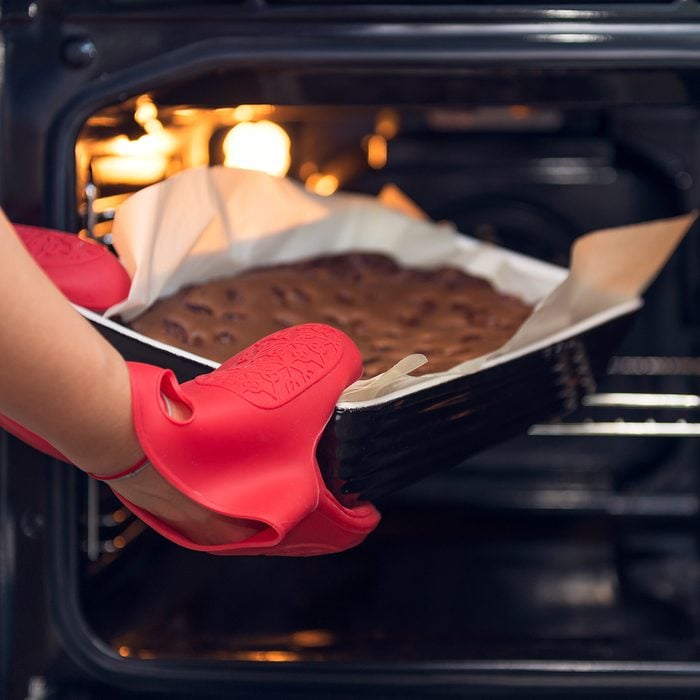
{"x": 210, "y": 222}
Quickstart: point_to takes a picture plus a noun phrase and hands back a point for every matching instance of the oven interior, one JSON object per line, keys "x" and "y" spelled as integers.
{"x": 578, "y": 542}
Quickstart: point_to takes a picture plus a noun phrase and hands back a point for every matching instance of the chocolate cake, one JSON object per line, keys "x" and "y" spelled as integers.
{"x": 388, "y": 310}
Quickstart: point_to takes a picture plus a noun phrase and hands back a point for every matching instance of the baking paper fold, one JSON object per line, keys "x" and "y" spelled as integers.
{"x": 211, "y": 222}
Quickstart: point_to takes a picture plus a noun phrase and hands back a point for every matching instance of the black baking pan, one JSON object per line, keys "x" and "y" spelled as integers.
{"x": 368, "y": 452}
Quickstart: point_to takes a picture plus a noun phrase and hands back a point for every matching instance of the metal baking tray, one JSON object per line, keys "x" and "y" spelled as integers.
{"x": 367, "y": 452}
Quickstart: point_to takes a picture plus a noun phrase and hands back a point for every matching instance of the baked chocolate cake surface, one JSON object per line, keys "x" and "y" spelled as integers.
{"x": 388, "y": 310}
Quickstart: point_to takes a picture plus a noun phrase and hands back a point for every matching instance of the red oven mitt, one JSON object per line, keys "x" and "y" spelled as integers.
{"x": 248, "y": 447}
{"x": 86, "y": 272}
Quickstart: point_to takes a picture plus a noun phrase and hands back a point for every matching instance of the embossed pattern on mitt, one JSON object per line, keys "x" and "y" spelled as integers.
{"x": 56, "y": 248}
{"x": 278, "y": 368}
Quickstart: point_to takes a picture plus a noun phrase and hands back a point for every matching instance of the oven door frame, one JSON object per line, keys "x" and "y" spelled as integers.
{"x": 39, "y": 133}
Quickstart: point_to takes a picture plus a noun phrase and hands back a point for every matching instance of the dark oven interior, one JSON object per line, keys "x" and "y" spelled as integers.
{"x": 570, "y": 551}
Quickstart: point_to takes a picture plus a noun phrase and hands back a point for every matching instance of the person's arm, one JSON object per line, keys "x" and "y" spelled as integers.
{"x": 58, "y": 376}
{"x": 60, "y": 379}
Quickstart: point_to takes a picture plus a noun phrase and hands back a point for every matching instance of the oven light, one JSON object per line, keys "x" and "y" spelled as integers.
{"x": 249, "y": 113}
{"x": 146, "y": 115}
{"x": 313, "y": 638}
{"x": 263, "y": 146}
{"x": 129, "y": 170}
{"x": 324, "y": 184}
{"x": 134, "y": 162}
{"x": 153, "y": 127}
{"x": 186, "y": 112}
{"x": 376, "y": 151}
{"x": 386, "y": 123}
{"x": 161, "y": 143}
{"x": 145, "y": 111}
{"x": 119, "y": 515}
{"x": 264, "y": 655}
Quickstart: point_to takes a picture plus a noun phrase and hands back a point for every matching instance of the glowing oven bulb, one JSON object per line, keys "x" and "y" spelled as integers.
{"x": 141, "y": 161}
{"x": 263, "y": 146}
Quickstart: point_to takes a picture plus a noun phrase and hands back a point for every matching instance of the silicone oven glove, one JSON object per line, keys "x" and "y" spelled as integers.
{"x": 86, "y": 272}
{"x": 248, "y": 446}
{"x": 247, "y": 449}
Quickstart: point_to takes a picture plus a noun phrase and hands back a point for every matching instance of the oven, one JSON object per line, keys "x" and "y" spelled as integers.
{"x": 563, "y": 561}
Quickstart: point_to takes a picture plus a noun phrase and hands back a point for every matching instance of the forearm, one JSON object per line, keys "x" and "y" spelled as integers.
{"x": 58, "y": 377}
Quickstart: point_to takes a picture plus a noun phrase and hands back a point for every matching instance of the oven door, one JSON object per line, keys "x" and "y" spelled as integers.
{"x": 562, "y": 561}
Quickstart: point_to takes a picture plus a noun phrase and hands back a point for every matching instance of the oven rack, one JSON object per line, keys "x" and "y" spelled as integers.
{"x": 645, "y": 406}
{"x": 647, "y": 427}
{"x": 109, "y": 527}
{"x": 618, "y": 428}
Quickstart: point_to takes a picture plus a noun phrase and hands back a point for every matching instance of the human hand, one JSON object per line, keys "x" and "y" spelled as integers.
{"x": 148, "y": 490}
{"x": 231, "y": 455}
{"x": 233, "y": 451}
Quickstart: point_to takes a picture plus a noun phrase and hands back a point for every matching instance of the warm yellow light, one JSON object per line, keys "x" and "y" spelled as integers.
{"x": 276, "y": 655}
{"x": 99, "y": 230}
{"x": 247, "y": 113}
{"x": 306, "y": 169}
{"x": 103, "y": 120}
{"x": 323, "y": 184}
{"x": 118, "y": 145}
{"x": 313, "y": 638}
{"x": 129, "y": 170}
{"x": 376, "y": 151}
{"x": 111, "y": 203}
{"x": 161, "y": 143}
{"x": 153, "y": 126}
{"x": 124, "y": 651}
{"x": 145, "y": 110}
{"x": 225, "y": 115}
{"x": 263, "y": 146}
{"x": 386, "y": 123}
{"x": 244, "y": 113}
{"x": 186, "y": 112}
{"x": 279, "y": 656}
